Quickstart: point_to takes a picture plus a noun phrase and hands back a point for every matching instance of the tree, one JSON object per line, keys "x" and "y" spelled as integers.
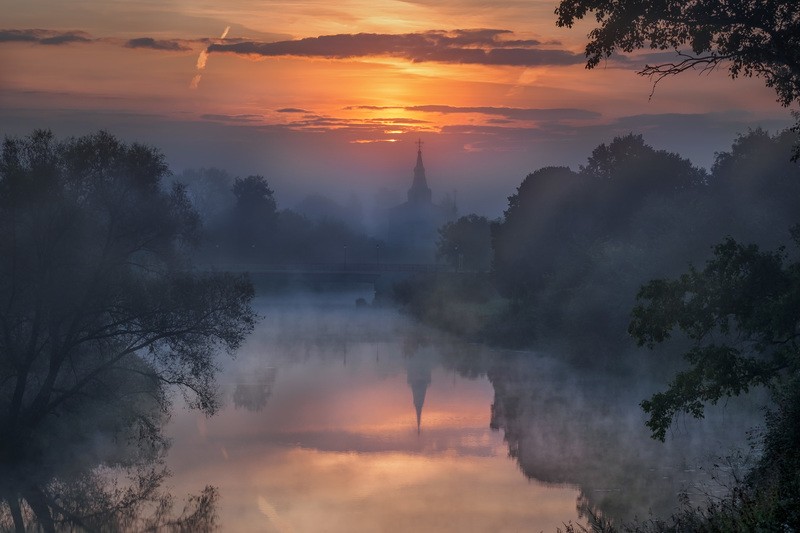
{"x": 100, "y": 314}
{"x": 753, "y": 37}
{"x": 253, "y": 219}
{"x": 209, "y": 189}
{"x": 253, "y": 195}
{"x": 466, "y": 243}
{"x": 640, "y": 169}
{"x": 742, "y": 316}
{"x": 546, "y": 212}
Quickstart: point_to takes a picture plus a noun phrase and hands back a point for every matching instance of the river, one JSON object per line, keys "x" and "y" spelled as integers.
{"x": 340, "y": 418}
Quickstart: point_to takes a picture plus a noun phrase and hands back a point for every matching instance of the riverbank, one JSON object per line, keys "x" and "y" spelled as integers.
{"x": 762, "y": 487}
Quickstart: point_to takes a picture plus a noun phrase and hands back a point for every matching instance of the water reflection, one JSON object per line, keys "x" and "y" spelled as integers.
{"x": 106, "y": 478}
{"x": 367, "y": 429}
{"x": 351, "y": 419}
{"x": 586, "y": 429}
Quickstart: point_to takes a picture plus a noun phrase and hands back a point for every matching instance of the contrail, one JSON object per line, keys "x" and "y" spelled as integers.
{"x": 202, "y": 60}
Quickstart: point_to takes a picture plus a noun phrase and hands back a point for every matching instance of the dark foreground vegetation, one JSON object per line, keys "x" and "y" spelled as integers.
{"x": 102, "y": 321}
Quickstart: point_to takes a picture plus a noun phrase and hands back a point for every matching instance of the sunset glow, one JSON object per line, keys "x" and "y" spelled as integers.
{"x": 498, "y": 79}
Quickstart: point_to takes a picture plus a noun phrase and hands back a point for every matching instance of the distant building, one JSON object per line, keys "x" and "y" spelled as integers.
{"x": 412, "y": 225}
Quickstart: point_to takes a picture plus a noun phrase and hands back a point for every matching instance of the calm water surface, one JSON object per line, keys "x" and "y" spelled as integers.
{"x": 340, "y": 418}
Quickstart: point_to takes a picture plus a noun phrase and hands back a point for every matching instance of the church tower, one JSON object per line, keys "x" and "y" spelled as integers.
{"x": 419, "y": 193}
{"x": 412, "y": 227}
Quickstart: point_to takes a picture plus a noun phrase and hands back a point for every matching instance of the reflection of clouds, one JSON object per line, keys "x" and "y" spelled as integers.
{"x": 268, "y": 510}
{"x": 312, "y": 490}
{"x": 454, "y": 441}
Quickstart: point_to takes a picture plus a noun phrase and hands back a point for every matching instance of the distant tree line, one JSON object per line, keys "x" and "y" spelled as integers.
{"x": 573, "y": 247}
{"x": 243, "y": 223}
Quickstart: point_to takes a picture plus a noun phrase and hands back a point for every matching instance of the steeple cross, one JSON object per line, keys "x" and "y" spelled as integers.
{"x": 419, "y": 144}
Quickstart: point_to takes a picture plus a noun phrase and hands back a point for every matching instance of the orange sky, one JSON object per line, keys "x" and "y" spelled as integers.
{"x": 352, "y": 84}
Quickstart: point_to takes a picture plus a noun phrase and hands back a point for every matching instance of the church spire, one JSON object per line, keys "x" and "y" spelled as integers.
{"x": 419, "y": 191}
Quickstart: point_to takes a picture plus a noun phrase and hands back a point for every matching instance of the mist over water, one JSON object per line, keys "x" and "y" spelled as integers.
{"x": 319, "y": 431}
{"x": 367, "y": 387}
{"x": 400, "y": 266}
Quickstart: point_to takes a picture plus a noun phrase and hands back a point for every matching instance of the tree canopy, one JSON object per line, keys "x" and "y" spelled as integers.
{"x": 742, "y": 315}
{"x": 466, "y": 243}
{"x": 100, "y": 315}
{"x": 752, "y": 37}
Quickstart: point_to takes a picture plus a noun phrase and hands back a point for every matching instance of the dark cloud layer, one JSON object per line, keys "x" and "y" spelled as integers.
{"x": 513, "y": 113}
{"x": 54, "y": 37}
{"x": 46, "y": 37}
{"x": 157, "y": 44}
{"x": 482, "y": 46}
{"x": 246, "y": 118}
{"x": 478, "y": 46}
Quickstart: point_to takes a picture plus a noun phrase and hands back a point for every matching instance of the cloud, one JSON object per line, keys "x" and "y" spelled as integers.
{"x": 157, "y": 44}
{"x": 511, "y": 113}
{"x": 245, "y": 118}
{"x": 291, "y": 110}
{"x": 46, "y": 37}
{"x": 54, "y": 37}
{"x": 478, "y": 46}
{"x": 514, "y": 113}
{"x": 397, "y": 120}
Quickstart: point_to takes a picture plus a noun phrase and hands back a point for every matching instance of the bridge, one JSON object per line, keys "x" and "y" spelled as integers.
{"x": 330, "y": 268}
{"x": 314, "y": 273}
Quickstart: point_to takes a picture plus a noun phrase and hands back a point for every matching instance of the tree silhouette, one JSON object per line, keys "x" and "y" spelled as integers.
{"x": 253, "y": 195}
{"x": 751, "y": 38}
{"x": 100, "y": 314}
{"x": 253, "y": 218}
{"x": 466, "y": 243}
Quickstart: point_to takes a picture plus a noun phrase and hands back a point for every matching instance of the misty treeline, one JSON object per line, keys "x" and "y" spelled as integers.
{"x": 573, "y": 247}
{"x": 639, "y": 246}
{"x": 243, "y": 223}
{"x": 102, "y": 322}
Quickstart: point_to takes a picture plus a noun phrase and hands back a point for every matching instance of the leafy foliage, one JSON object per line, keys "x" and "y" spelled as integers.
{"x": 742, "y": 314}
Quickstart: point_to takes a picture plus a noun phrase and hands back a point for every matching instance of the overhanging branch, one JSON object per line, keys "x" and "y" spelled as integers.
{"x": 705, "y": 64}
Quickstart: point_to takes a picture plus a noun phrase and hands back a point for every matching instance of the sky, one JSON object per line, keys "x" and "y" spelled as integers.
{"x": 330, "y": 97}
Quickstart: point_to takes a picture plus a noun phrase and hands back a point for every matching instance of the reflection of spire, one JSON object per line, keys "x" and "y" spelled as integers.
{"x": 419, "y": 377}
